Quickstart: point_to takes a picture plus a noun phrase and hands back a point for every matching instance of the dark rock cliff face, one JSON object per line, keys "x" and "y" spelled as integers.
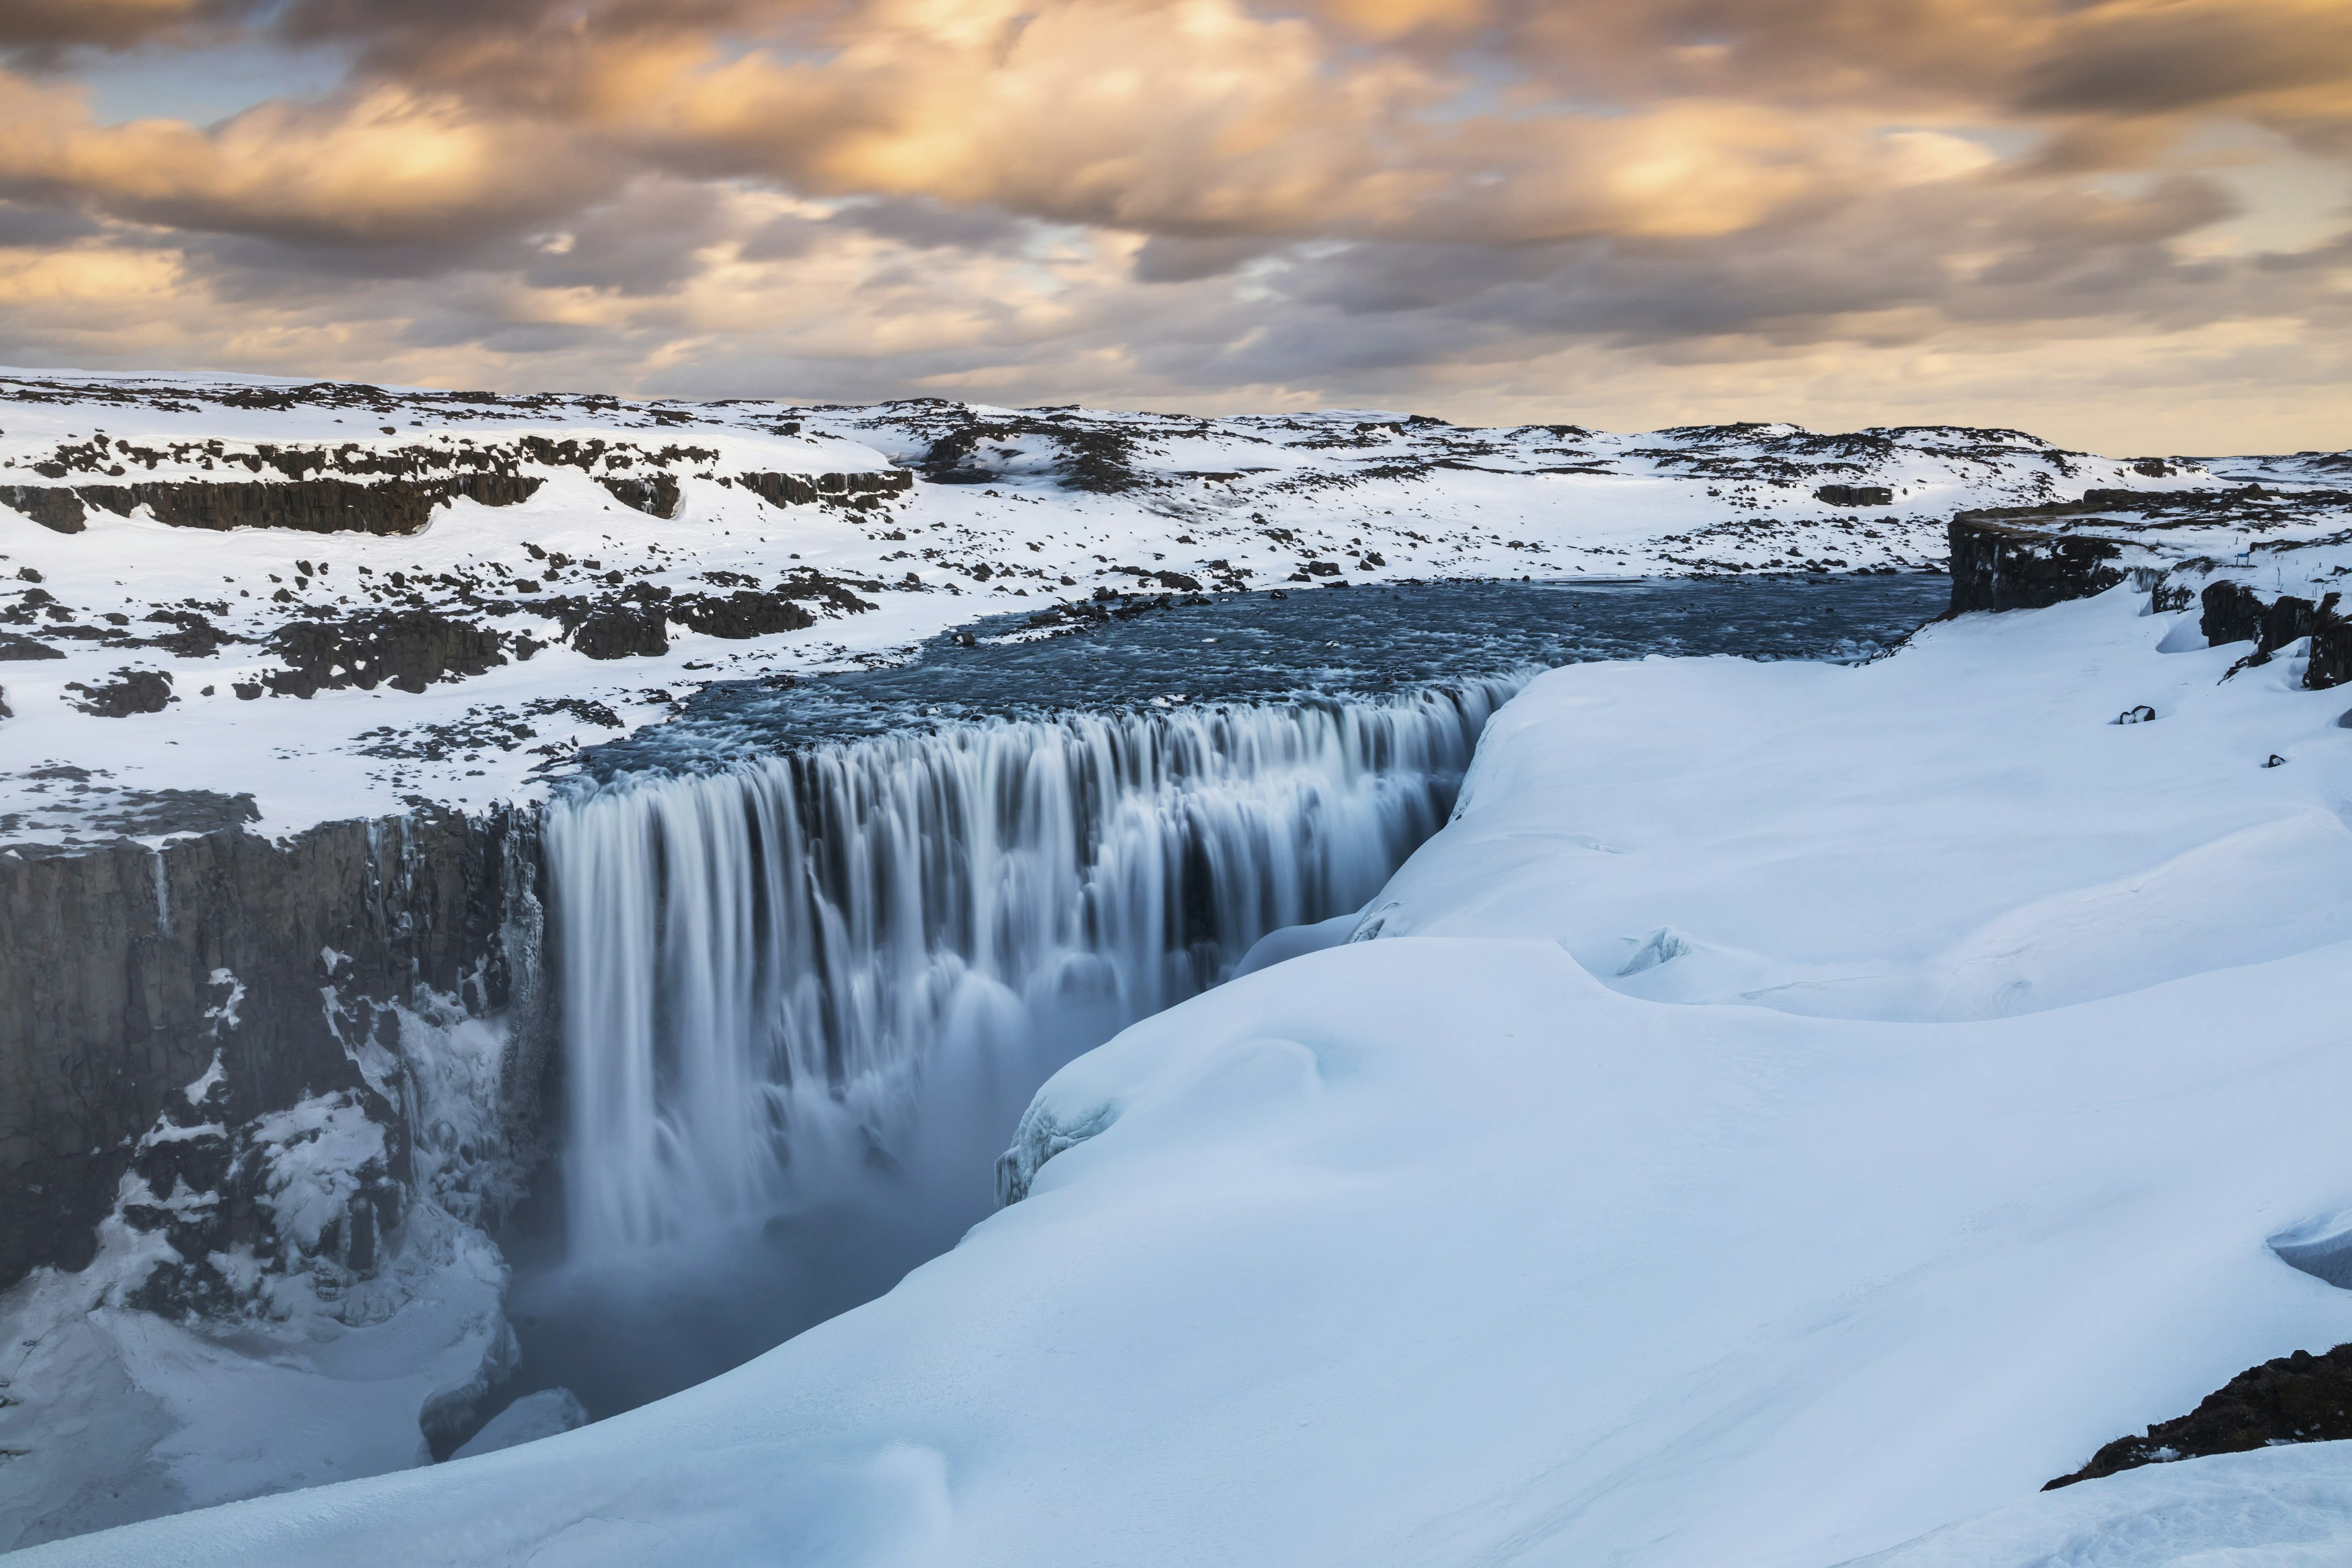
{"x": 2232, "y": 611}
{"x": 2331, "y": 654}
{"x": 309, "y": 505}
{"x": 126, "y": 974}
{"x": 1999, "y": 567}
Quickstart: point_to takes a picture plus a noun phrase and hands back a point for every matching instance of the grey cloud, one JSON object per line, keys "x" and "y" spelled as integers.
{"x": 642, "y": 242}
{"x": 930, "y": 225}
{"x": 1175, "y": 258}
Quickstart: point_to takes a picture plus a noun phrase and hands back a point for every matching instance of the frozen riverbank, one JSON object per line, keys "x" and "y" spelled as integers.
{"x": 1790, "y": 1109}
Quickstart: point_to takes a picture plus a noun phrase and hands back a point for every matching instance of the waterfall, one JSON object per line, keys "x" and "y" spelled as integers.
{"x": 856, "y": 962}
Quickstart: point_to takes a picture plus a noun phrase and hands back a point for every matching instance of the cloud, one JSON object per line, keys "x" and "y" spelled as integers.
{"x": 1188, "y": 200}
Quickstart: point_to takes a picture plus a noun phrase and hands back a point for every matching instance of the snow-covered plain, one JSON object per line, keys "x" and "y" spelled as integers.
{"x": 1788, "y": 1115}
{"x": 1014, "y": 509}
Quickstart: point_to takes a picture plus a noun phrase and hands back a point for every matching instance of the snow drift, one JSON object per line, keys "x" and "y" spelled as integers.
{"x": 1981, "y": 1047}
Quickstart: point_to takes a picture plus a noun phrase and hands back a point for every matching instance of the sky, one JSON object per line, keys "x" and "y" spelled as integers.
{"x": 2124, "y": 225}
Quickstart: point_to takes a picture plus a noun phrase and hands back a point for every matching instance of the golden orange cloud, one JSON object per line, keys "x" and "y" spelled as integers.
{"x": 1177, "y": 199}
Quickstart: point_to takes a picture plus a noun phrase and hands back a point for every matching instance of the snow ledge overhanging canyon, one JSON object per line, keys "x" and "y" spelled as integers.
{"x": 1982, "y": 1043}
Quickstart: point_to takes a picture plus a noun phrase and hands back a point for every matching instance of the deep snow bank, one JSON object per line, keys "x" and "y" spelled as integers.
{"x": 1791, "y": 1110}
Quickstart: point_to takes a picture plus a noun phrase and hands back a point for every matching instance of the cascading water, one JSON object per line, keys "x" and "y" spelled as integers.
{"x": 819, "y": 942}
{"x": 853, "y": 965}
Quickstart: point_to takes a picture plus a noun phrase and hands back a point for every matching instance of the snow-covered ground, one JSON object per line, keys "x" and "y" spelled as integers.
{"x": 1788, "y": 1115}
{"x": 1012, "y": 509}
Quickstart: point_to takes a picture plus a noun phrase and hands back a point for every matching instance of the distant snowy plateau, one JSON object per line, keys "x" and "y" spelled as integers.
{"x": 1787, "y": 1115}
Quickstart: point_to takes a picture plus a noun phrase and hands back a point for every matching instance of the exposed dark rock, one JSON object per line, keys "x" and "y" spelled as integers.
{"x": 409, "y": 649}
{"x": 742, "y": 614}
{"x": 2231, "y": 612}
{"x": 616, "y": 628}
{"x": 132, "y": 691}
{"x": 2331, "y": 654}
{"x": 655, "y": 493}
{"x": 803, "y": 489}
{"x": 51, "y": 506}
{"x": 1999, "y": 567}
{"x": 2300, "y": 1399}
{"x": 311, "y": 505}
{"x": 193, "y": 637}
{"x": 16, "y": 647}
{"x": 780, "y": 489}
{"x": 111, "y": 999}
{"x": 1855, "y": 495}
{"x": 2235, "y": 613}
{"x": 145, "y": 814}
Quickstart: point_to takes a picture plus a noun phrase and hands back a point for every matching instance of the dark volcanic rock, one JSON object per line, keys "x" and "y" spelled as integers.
{"x": 112, "y": 994}
{"x": 13, "y": 647}
{"x": 132, "y": 691}
{"x": 780, "y": 489}
{"x": 2301, "y": 1398}
{"x": 802, "y": 490}
{"x": 1855, "y": 495}
{"x": 410, "y": 649}
{"x": 192, "y": 636}
{"x": 657, "y": 493}
{"x": 742, "y": 614}
{"x": 51, "y": 506}
{"x": 617, "y": 629}
{"x": 1998, "y": 567}
{"x": 320, "y": 505}
{"x": 2331, "y": 654}
{"x": 2231, "y": 612}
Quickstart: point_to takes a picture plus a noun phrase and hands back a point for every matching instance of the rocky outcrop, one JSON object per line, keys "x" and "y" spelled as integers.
{"x": 1855, "y": 495}
{"x": 2300, "y": 1399}
{"x": 656, "y": 494}
{"x": 131, "y": 691}
{"x": 14, "y": 646}
{"x": 317, "y": 505}
{"x": 806, "y": 489}
{"x": 2331, "y": 654}
{"x": 1997, "y": 565}
{"x": 407, "y": 649}
{"x": 52, "y": 506}
{"x": 742, "y": 614}
{"x": 2230, "y": 612}
{"x": 230, "y": 978}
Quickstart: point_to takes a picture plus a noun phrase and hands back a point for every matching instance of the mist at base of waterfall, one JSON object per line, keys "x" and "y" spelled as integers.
{"x": 623, "y": 1327}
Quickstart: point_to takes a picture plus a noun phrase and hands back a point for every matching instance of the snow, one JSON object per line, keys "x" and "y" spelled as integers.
{"x": 112, "y": 1413}
{"x": 527, "y": 1419}
{"x": 1365, "y": 495}
{"x": 2280, "y": 1508}
{"x": 1982, "y": 1046}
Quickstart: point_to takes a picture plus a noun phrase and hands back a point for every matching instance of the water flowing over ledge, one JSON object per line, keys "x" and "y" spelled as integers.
{"x": 771, "y": 974}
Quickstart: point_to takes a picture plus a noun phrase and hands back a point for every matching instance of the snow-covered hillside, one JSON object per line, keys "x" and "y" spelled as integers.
{"x": 334, "y": 598}
{"x": 1792, "y": 1111}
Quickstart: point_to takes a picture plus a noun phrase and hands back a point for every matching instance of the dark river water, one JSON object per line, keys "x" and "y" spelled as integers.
{"x": 1270, "y": 647}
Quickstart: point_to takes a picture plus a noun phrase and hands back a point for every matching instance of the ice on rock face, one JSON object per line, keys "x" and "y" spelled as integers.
{"x": 546, "y": 1413}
